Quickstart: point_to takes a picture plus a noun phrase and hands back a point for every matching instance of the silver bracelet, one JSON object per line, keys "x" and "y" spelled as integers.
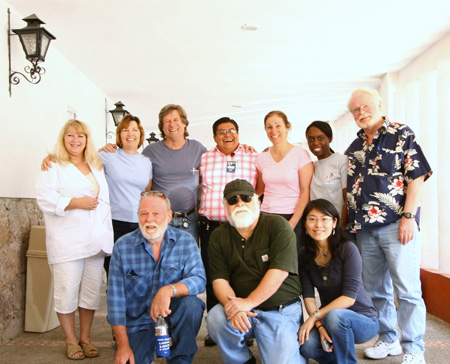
{"x": 174, "y": 290}
{"x": 316, "y": 315}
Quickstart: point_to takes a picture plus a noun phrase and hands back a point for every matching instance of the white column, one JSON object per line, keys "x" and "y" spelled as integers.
{"x": 443, "y": 177}
{"x": 399, "y": 107}
{"x": 428, "y": 135}
{"x": 412, "y": 106}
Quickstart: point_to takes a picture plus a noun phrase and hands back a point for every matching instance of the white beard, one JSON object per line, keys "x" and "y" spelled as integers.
{"x": 242, "y": 220}
{"x": 157, "y": 235}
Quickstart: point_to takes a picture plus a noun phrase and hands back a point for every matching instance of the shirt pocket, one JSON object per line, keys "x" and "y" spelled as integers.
{"x": 171, "y": 272}
{"x": 137, "y": 284}
{"x": 262, "y": 259}
{"x": 384, "y": 164}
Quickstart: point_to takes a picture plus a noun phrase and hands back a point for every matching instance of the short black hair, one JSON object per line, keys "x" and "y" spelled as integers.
{"x": 223, "y": 120}
{"x": 323, "y": 126}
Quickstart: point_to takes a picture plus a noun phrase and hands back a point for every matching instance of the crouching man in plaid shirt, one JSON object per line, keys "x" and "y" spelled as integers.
{"x": 155, "y": 271}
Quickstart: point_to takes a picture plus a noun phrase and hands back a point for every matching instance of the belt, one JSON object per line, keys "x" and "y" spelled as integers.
{"x": 183, "y": 214}
{"x": 279, "y": 307}
{"x": 209, "y": 222}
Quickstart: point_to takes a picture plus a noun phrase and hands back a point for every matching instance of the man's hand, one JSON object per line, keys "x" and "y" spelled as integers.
{"x": 406, "y": 230}
{"x": 249, "y": 149}
{"x": 124, "y": 355}
{"x": 161, "y": 303}
{"x": 46, "y": 163}
{"x": 241, "y": 322}
{"x": 108, "y": 148}
{"x": 235, "y": 305}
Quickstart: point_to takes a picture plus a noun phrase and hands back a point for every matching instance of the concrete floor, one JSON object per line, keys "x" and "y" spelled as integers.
{"x": 48, "y": 348}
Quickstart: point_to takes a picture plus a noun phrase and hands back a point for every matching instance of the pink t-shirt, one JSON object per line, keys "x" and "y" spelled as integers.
{"x": 282, "y": 185}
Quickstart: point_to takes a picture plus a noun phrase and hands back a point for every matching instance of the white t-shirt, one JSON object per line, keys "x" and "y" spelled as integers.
{"x": 330, "y": 177}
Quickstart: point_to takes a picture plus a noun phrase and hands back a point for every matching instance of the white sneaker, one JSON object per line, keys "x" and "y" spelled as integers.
{"x": 382, "y": 349}
{"x": 413, "y": 359}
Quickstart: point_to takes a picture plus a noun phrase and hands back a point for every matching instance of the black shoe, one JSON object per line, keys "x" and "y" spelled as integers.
{"x": 252, "y": 360}
{"x": 209, "y": 341}
{"x": 249, "y": 342}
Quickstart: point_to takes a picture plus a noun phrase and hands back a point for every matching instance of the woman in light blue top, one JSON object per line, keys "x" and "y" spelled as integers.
{"x": 128, "y": 173}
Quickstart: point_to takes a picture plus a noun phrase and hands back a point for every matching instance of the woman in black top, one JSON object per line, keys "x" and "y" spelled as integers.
{"x": 332, "y": 264}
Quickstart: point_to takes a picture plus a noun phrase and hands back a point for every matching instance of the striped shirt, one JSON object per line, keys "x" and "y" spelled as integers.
{"x": 216, "y": 170}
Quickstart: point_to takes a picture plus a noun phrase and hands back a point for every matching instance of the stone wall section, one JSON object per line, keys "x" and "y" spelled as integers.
{"x": 17, "y": 215}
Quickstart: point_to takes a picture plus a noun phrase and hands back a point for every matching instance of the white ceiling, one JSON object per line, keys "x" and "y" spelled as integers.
{"x": 305, "y": 58}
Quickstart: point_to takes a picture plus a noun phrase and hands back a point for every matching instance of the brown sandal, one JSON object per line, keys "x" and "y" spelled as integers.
{"x": 88, "y": 348}
{"x": 71, "y": 350}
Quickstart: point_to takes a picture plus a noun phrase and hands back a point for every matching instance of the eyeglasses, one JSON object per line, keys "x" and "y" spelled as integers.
{"x": 357, "y": 110}
{"x": 315, "y": 220}
{"x": 223, "y": 131}
{"x": 234, "y": 199}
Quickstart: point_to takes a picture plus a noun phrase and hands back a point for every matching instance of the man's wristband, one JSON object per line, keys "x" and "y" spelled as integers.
{"x": 174, "y": 290}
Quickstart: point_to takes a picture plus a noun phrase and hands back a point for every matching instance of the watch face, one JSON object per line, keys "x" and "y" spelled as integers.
{"x": 408, "y": 215}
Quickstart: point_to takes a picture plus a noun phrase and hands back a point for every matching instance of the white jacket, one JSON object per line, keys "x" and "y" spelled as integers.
{"x": 78, "y": 233}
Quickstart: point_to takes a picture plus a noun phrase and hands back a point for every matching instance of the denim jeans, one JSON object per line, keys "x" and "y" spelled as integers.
{"x": 184, "y": 324}
{"x": 192, "y": 219}
{"x": 389, "y": 266}
{"x": 346, "y": 329}
{"x": 276, "y": 333}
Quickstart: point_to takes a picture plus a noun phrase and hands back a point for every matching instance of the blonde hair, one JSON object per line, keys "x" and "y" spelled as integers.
{"x": 90, "y": 154}
{"x": 367, "y": 90}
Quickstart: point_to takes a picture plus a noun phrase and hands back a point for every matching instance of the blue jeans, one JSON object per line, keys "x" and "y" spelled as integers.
{"x": 184, "y": 324}
{"x": 276, "y": 333}
{"x": 389, "y": 266}
{"x": 177, "y": 222}
{"x": 346, "y": 329}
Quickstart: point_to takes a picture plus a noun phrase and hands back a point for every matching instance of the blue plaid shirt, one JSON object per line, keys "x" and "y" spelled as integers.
{"x": 135, "y": 277}
{"x": 379, "y": 173}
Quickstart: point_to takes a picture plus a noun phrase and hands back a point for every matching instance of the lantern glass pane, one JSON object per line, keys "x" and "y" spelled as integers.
{"x": 45, "y": 42}
{"x": 29, "y": 42}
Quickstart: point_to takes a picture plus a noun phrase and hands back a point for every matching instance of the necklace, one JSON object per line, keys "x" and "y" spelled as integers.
{"x": 324, "y": 254}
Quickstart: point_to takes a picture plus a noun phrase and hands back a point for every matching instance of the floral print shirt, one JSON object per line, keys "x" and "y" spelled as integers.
{"x": 379, "y": 173}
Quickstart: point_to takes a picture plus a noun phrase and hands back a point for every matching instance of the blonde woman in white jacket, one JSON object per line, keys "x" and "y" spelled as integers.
{"x": 74, "y": 198}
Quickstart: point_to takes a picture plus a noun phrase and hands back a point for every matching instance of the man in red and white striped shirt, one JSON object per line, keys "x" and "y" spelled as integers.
{"x": 225, "y": 162}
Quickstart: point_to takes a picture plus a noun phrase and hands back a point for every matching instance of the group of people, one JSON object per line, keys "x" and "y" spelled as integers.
{"x": 257, "y": 258}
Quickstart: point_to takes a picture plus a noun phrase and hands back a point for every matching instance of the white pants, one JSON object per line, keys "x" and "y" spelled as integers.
{"x": 77, "y": 283}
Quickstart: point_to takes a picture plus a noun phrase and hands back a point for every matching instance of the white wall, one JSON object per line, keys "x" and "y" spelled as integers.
{"x": 34, "y": 114}
{"x": 419, "y": 95}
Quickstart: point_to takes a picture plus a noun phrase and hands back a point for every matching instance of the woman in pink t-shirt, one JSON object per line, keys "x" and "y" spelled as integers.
{"x": 284, "y": 173}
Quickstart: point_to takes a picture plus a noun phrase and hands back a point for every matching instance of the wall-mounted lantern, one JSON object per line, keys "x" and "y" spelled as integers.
{"x": 35, "y": 41}
{"x": 118, "y": 112}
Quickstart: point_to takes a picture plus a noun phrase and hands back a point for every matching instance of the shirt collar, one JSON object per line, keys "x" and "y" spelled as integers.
{"x": 239, "y": 149}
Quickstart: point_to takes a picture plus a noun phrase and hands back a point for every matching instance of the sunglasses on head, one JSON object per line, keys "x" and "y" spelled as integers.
{"x": 234, "y": 199}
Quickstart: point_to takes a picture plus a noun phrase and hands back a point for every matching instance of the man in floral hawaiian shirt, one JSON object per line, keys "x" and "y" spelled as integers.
{"x": 386, "y": 172}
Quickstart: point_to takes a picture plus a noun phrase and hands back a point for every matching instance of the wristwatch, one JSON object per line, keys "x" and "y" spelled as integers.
{"x": 316, "y": 314}
{"x": 174, "y": 290}
{"x": 408, "y": 215}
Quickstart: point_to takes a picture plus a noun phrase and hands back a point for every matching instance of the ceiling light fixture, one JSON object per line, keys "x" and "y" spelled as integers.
{"x": 249, "y": 27}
